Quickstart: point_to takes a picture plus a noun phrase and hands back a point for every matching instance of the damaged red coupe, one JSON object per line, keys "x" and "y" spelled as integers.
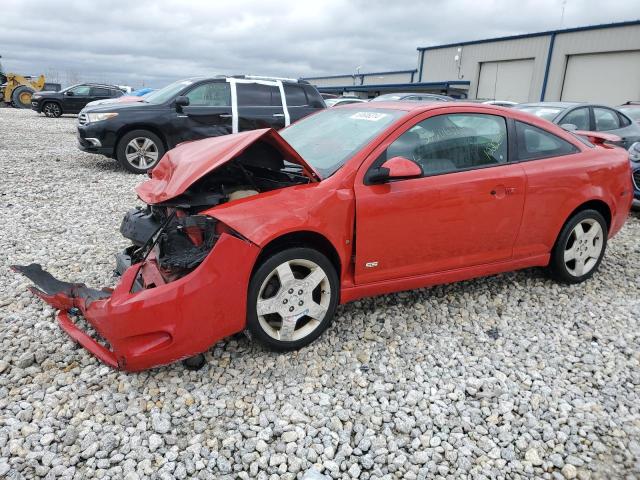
{"x": 268, "y": 232}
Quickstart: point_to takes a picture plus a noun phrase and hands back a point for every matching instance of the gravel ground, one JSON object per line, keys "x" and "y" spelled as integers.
{"x": 511, "y": 376}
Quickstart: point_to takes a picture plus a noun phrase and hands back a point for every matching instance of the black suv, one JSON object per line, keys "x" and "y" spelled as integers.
{"x": 72, "y": 99}
{"x": 138, "y": 133}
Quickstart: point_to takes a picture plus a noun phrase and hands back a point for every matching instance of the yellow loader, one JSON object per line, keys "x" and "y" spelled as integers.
{"x": 16, "y": 90}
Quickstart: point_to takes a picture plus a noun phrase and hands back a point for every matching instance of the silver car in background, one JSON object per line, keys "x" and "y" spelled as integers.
{"x": 586, "y": 116}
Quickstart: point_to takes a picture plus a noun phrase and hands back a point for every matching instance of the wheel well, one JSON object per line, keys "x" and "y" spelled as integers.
{"x": 597, "y": 205}
{"x": 131, "y": 128}
{"x": 301, "y": 239}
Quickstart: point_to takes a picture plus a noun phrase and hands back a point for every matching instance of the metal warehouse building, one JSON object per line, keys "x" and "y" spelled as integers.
{"x": 599, "y": 63}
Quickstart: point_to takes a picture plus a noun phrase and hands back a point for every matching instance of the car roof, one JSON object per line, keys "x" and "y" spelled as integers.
{"x": 552, "y": 104}
{"x": 422, "y": 106}
{"x": 246, "y": 77}
{"x": 413, "y": 93}
{"x": 100, "y": 85}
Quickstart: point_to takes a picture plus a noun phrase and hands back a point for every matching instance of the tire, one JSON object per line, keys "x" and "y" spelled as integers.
{"x": 52, "y": 109}
{"x": 139, "y": 151}
{"x": 194, "y": 363}
{"x": 579, "y": 248}
{"x": 279, "y": 289}
{"x": 21, "y": 96}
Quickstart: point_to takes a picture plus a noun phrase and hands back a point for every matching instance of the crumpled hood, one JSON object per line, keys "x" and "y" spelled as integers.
{"x": 190, "y": 161}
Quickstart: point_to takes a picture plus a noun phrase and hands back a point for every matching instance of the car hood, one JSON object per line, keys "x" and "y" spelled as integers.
{"x": 123, "y": 106}
{"x": 190, "y": 161}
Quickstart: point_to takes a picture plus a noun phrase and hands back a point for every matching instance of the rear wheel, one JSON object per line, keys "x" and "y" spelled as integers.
{"x": 21, "y": 96}
{"x": 52, "y": 109}
{"x": 292, "y": 298}
{"x": 139, "y": 151}
{"x": 580, "y": 247}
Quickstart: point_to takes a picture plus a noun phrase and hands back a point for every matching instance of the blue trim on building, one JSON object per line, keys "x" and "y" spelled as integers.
{"x": 360, "y": 74}
{"x": 552, "y": 41}
{"x": 530, "y": 35}
{"x": 395, "y": 86}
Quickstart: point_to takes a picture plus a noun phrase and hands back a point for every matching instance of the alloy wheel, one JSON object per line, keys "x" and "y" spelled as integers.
{"x": 293, "y": 300}
{"x": 584, "y": 247}
{"x": 141, "y": 152}
{"x": 52, "y": 110}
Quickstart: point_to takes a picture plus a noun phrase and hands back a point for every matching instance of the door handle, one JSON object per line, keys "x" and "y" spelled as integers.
{"x": 225, "y": 115}
{"x": 501, "y": 191}
{"x": 278, "y": 114}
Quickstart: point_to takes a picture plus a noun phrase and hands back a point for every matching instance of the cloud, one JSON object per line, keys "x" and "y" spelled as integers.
{"x": 155, "y": 42}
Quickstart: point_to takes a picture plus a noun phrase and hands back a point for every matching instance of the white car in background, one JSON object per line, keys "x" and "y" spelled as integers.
{"x": 334, "y": 102}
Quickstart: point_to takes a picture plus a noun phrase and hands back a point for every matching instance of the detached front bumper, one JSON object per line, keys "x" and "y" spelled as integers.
{"x": 162, "y": 324}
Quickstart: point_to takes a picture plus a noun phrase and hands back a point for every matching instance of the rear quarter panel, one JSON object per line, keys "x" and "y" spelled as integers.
{"x": 557, "y": 186}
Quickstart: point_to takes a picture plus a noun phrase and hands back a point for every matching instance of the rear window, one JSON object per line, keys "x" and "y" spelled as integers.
{"x": 631, "y": 112}
{"x": 314, "y": 97}
{"x": 258, "y": 95}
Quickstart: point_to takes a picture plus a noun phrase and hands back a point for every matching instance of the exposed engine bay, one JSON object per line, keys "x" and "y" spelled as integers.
{"x": 176, "y": 237}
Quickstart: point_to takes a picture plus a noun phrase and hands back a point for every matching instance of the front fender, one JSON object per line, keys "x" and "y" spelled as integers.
{"x": 311, "y": 208}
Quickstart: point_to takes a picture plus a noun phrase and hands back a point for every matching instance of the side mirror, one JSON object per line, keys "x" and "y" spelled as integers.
{"x": 396, "y": 168}
{"x": 569, "y": 127}
{"x": 69, "y": 93}
{"x": 181, "y": 101}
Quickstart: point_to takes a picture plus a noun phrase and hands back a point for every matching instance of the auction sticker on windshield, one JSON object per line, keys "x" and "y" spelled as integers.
{"x": 371, "y": 116}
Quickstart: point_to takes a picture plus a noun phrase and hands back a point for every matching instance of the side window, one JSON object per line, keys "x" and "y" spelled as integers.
{"x": 578, "y": 117}
{"x": 81, "y": 90}
{"x": 117, "y": 93}
{"x": 99, "y": 92}
{"x": 449, "y": 143}
{"x": 213, "y": 94}
{"x": 258, "y": 95}
{"x": 534, "y": 142}
{"x": 295, "y": 96}
{"x": 606, "y": 119}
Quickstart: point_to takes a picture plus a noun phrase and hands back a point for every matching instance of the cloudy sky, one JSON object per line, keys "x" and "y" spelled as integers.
{"x": 154, "y": 42}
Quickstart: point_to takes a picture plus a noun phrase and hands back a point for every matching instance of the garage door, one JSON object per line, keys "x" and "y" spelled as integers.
{"x": 609, "y": 78}
{"x": 508, "y": 80}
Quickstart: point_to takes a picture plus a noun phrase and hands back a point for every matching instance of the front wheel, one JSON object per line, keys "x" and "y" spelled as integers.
{"x": 139, "y": 151}
{"x": 292, "y": 298}
{"x": 580, "y": 247}
{"x": 52, "y": 110}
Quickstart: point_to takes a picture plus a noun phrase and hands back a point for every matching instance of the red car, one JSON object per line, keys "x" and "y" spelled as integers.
{"x": 269, "y": 231}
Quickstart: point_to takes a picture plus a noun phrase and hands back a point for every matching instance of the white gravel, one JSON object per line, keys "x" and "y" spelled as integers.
{"x": 511, "y": 376}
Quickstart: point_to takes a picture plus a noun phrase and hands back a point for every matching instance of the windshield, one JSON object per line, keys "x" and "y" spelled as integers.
{"x": 329, "y": 138}
{"x": 548, "y": 113}
{"x": 167, "y": 93}
{"x": 631, "y": 112}
{"x": 69, "y": 87}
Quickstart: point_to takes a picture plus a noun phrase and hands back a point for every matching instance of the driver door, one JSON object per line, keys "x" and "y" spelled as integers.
{"x": 76, "y": 98}
{"x": 208, "y": 114}
{"x": 465, "y": 209}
